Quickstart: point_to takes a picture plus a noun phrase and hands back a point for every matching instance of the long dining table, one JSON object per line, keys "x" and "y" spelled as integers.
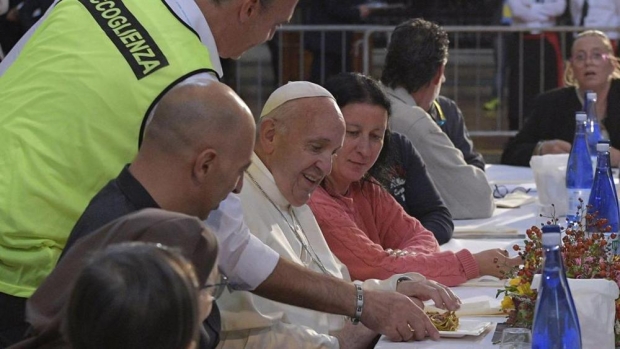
{"x": 504, "y": 229}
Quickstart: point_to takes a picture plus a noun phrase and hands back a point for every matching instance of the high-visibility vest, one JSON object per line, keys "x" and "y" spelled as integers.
{"x": 71, "y": 111}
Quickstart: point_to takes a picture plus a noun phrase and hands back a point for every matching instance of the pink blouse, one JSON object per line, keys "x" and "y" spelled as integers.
{"x": 360, "y": 226}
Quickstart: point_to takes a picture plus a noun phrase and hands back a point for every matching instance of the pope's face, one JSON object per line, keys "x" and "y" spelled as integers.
{"x": 304, "y": 149}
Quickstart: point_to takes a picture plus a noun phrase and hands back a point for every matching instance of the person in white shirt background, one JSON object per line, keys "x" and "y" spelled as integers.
{"x": 597, "y": 13}
{"x": 526, "y": 79}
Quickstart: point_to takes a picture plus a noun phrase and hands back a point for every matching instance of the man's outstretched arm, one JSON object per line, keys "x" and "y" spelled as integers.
{"x": 386, "y": 312}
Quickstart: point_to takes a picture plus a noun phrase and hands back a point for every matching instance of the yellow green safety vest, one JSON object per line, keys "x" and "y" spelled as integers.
{"x": 71, "y": 111}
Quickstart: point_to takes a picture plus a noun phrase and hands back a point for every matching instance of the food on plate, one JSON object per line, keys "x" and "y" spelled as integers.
{"x": 447, "y": 321}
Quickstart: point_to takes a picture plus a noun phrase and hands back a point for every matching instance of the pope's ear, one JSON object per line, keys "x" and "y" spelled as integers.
{"x": 204, "y": 161}
{"x": 267, "y": 134}
{"x": 249, "y": 8}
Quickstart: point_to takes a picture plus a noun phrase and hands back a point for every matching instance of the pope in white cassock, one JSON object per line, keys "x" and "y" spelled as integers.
{"x": 300, "y": 130}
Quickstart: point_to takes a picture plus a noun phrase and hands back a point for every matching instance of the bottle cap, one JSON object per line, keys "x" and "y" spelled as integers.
{"x": 591, "y": 95}
{"x": 551, "y": 235}
{"x": 580, "y": 116}
{"x": 602, "y": 146}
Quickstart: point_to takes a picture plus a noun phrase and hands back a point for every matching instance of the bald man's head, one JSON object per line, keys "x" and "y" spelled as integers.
{"x": 196, "y": 146}
{"x": 195, "y": 115}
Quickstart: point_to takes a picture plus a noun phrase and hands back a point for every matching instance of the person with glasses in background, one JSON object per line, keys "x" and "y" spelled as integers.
{"x": 550, "y": 127}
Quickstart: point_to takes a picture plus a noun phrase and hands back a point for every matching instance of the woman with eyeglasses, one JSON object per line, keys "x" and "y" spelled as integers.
{"x": 362, "y": 223}
{"x": 550, "y": 127}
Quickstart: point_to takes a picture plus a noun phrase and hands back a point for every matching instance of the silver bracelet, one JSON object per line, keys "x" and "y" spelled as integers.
{"x": 359, "y": 304}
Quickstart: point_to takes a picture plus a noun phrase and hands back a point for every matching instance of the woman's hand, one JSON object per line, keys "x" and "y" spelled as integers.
{"x": 495, "y": 262}
{"x": 614, "y": 154}
{"x": 555, "y": 146}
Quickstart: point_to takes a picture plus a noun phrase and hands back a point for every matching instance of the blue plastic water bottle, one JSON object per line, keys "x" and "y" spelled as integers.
{"x": 603, "y": 197}
{"x": 556, "y": 325}
{"x": 593, "y": 129}
{"x": 578, "y": 171}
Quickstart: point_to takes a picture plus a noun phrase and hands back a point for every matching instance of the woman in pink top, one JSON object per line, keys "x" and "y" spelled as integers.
{"x": 363, "y": 225}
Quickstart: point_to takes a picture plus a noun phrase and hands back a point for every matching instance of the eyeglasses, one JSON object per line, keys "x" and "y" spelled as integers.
{"x": 596, "y": 57}
{"x": 219, "y": 287}
{"x": 500, "y": 191}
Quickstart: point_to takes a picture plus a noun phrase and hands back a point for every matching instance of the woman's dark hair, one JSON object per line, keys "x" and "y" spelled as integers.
{"x": 134, "y": 295}
{"x": 416, "y": 51}
{"x": 349, "y": 88}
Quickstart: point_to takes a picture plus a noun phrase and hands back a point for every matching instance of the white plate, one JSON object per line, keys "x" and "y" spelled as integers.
{"x": 467, "y": 328}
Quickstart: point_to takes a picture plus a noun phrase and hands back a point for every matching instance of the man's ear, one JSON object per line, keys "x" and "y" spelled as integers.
{"x": 249, "y": 8}
{"x": 204, "y": 162}
{"x": 267, "y": 135}
{"x": 439, "y": 74}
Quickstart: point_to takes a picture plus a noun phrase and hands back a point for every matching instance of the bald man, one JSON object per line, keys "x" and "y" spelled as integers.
{"x": 187, "y": 163}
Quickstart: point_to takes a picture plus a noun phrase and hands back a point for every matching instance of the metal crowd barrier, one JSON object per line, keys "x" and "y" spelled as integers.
{"x": 480, "y": 58}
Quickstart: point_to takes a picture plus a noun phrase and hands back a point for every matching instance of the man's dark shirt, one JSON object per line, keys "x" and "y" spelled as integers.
{"x": 454, "y": 127}
{"x": 121, "y": 196}
{"x": 413, "y": 188}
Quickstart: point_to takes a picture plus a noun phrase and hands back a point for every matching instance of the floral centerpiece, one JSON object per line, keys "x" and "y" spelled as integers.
{"x": 585, "y": 255}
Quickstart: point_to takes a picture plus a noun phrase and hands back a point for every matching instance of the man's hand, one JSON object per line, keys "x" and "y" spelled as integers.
{"x": 443, "y": 297}
{"x": 396, "y": 316}
{"x": 555, "y": 146}
{"x": 495, "y": 262}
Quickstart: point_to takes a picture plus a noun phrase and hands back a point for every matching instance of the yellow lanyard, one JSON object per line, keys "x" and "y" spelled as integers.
{"x": 442, "y": 117}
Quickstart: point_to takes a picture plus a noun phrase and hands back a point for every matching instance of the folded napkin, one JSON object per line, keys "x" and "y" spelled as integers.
{"x": 492, "y": 232}
{"x": 514, "y": 200}
{"x": 474, "y": 306}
